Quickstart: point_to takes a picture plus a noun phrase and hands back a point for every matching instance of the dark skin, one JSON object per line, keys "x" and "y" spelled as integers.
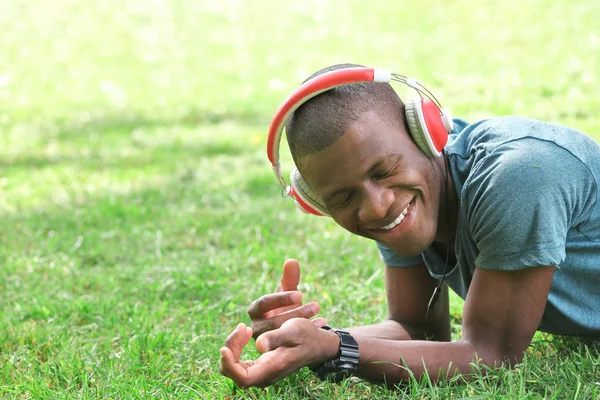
{"x": 367, "y": 178}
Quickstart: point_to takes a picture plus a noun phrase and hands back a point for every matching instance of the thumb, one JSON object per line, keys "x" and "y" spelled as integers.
{"x": 291, "y": 276}
{"x": 237, "y": 340}
{"x": 272, "y": 340}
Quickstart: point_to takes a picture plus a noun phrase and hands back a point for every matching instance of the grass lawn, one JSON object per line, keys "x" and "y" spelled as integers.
{"x": 139, "y": 213}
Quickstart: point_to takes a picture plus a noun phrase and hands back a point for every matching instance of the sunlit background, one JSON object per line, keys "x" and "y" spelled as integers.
{"x": 140, "y": 215}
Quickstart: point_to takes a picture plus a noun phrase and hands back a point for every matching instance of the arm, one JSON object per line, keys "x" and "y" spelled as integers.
{"x": 502, "y": 312}
{"x": 408, "y": 291}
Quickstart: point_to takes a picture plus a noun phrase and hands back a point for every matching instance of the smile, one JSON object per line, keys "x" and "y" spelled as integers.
{"x": 397, "y": 221}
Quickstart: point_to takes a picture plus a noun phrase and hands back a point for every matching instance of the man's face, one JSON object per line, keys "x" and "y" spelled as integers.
{"x": 376, "y": 183}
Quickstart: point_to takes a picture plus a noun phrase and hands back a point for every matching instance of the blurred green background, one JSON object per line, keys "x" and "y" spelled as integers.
{"x": 140, "y": 215}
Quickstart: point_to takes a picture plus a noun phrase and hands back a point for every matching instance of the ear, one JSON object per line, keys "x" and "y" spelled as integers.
{"x": 414, "y": 125}
{"x": 428, "y": 128}
{"x": 306, "y": 200}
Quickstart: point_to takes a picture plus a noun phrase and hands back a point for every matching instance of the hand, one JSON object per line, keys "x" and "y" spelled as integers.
{"x": 272, "y": 310}
{"x": 298, "y": 343}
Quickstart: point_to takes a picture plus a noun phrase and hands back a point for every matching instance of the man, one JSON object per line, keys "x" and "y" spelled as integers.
{"x": 506, "y": 213}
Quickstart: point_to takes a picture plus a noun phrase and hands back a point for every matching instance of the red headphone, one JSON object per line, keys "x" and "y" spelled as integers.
{"x": 428, "y": 122}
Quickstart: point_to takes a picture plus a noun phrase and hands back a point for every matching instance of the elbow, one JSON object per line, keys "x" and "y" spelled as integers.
{"x": 413, "y": 331}
{"x": 437, "y": 331}
{"x": 497, "y": 355}
{"x": 422, "y": 331}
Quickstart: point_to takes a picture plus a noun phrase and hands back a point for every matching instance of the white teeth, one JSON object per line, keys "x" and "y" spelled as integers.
{"x": 394, "y": 223}
{"x": 397, "y": 220}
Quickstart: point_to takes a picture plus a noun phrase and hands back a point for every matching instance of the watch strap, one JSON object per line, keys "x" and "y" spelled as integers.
{"x": 344, "y": 364}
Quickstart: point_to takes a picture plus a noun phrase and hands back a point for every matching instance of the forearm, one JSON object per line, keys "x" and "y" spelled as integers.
{"x": 387, "y": 360}
{"x": 412, "y": 323}
{"x": 393, "y": 330}
{"x": 390, "y": 330}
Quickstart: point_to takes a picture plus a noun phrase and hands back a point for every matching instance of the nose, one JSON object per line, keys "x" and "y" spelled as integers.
{"x": 375, "y": 204}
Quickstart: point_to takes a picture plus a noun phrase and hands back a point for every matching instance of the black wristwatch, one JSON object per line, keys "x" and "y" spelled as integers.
{"x": 346, "y": 361}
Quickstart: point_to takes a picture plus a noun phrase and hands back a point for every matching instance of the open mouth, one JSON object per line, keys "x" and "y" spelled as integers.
{"x": 398, "y": 220}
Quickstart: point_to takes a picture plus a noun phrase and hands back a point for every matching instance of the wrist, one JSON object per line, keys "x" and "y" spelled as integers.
{"x": 340, "y": 355}
{"x": 330, "y": 346}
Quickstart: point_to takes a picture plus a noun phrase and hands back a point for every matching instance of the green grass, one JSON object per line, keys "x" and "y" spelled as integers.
{"x": 139, "y": 214}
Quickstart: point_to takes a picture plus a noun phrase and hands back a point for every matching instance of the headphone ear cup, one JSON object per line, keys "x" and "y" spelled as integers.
{"x": 306, "y": 194}
{"x": 418, "y": 132}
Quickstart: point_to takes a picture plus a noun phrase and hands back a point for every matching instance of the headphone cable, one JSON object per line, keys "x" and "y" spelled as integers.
{"x": 436, "y": 292}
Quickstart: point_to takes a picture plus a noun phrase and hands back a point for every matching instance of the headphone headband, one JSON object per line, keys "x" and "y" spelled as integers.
{"x": 308, "y": 90}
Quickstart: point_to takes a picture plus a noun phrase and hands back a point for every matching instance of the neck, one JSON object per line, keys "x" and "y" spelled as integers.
{"x": 448, "y": 210}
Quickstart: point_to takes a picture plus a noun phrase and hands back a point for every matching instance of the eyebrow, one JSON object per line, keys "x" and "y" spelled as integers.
{"x": 375, "y": 166}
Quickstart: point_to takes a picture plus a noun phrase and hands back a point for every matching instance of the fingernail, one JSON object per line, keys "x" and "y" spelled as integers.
{"x": 319, "y": 323}
{"x": 314, "y": 307}
{"x": 262, "y": 345}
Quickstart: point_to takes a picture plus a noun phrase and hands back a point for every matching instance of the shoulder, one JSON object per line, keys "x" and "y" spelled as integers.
{"x": 525, "y": 160}
{"x": 510, "y": 150}
{"x": 492, "y": 133}
{"x": 532, "y": 172}
{"x": 522, "y": 184}
{"x": 520, "y": 200}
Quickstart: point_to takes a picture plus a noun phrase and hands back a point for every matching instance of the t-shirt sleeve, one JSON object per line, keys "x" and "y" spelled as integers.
{"x": 519, "y": 203}
{"x": 395, "y": 260}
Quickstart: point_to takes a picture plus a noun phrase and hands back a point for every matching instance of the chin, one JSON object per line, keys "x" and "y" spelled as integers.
{"x": 411, "y": 247}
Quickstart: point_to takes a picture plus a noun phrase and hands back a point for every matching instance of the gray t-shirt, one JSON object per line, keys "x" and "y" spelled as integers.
{"x": 527, "y": 195}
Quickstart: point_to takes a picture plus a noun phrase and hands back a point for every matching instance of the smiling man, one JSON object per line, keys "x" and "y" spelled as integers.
{"x": 503, "y": 211}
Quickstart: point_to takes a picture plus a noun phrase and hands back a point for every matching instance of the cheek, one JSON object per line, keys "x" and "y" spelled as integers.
{"x": 430, "y": 179}
{"x": 433, "y": 171}
{"x": 345, "y": 221}
{"x": 432, "y": 200}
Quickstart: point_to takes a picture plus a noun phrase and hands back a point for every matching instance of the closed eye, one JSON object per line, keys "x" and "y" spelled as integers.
{"x": 343, "y": 201}
{"x": 385, "y": 174}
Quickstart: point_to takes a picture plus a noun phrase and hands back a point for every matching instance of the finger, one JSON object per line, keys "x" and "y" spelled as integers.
{"x": 306, "y": 311}
{"x": 237, "y": 340}
{"x": 273, "y": 301}
{"x": 272, "y": 340}
{"x": 290, "y": 277}
{"x": 261, "y": 373}
{"x": 319, "y": 322}
{"x": 231, "y": 368}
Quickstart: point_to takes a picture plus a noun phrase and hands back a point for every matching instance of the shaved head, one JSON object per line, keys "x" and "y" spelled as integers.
{"x": 323, "y": 119}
